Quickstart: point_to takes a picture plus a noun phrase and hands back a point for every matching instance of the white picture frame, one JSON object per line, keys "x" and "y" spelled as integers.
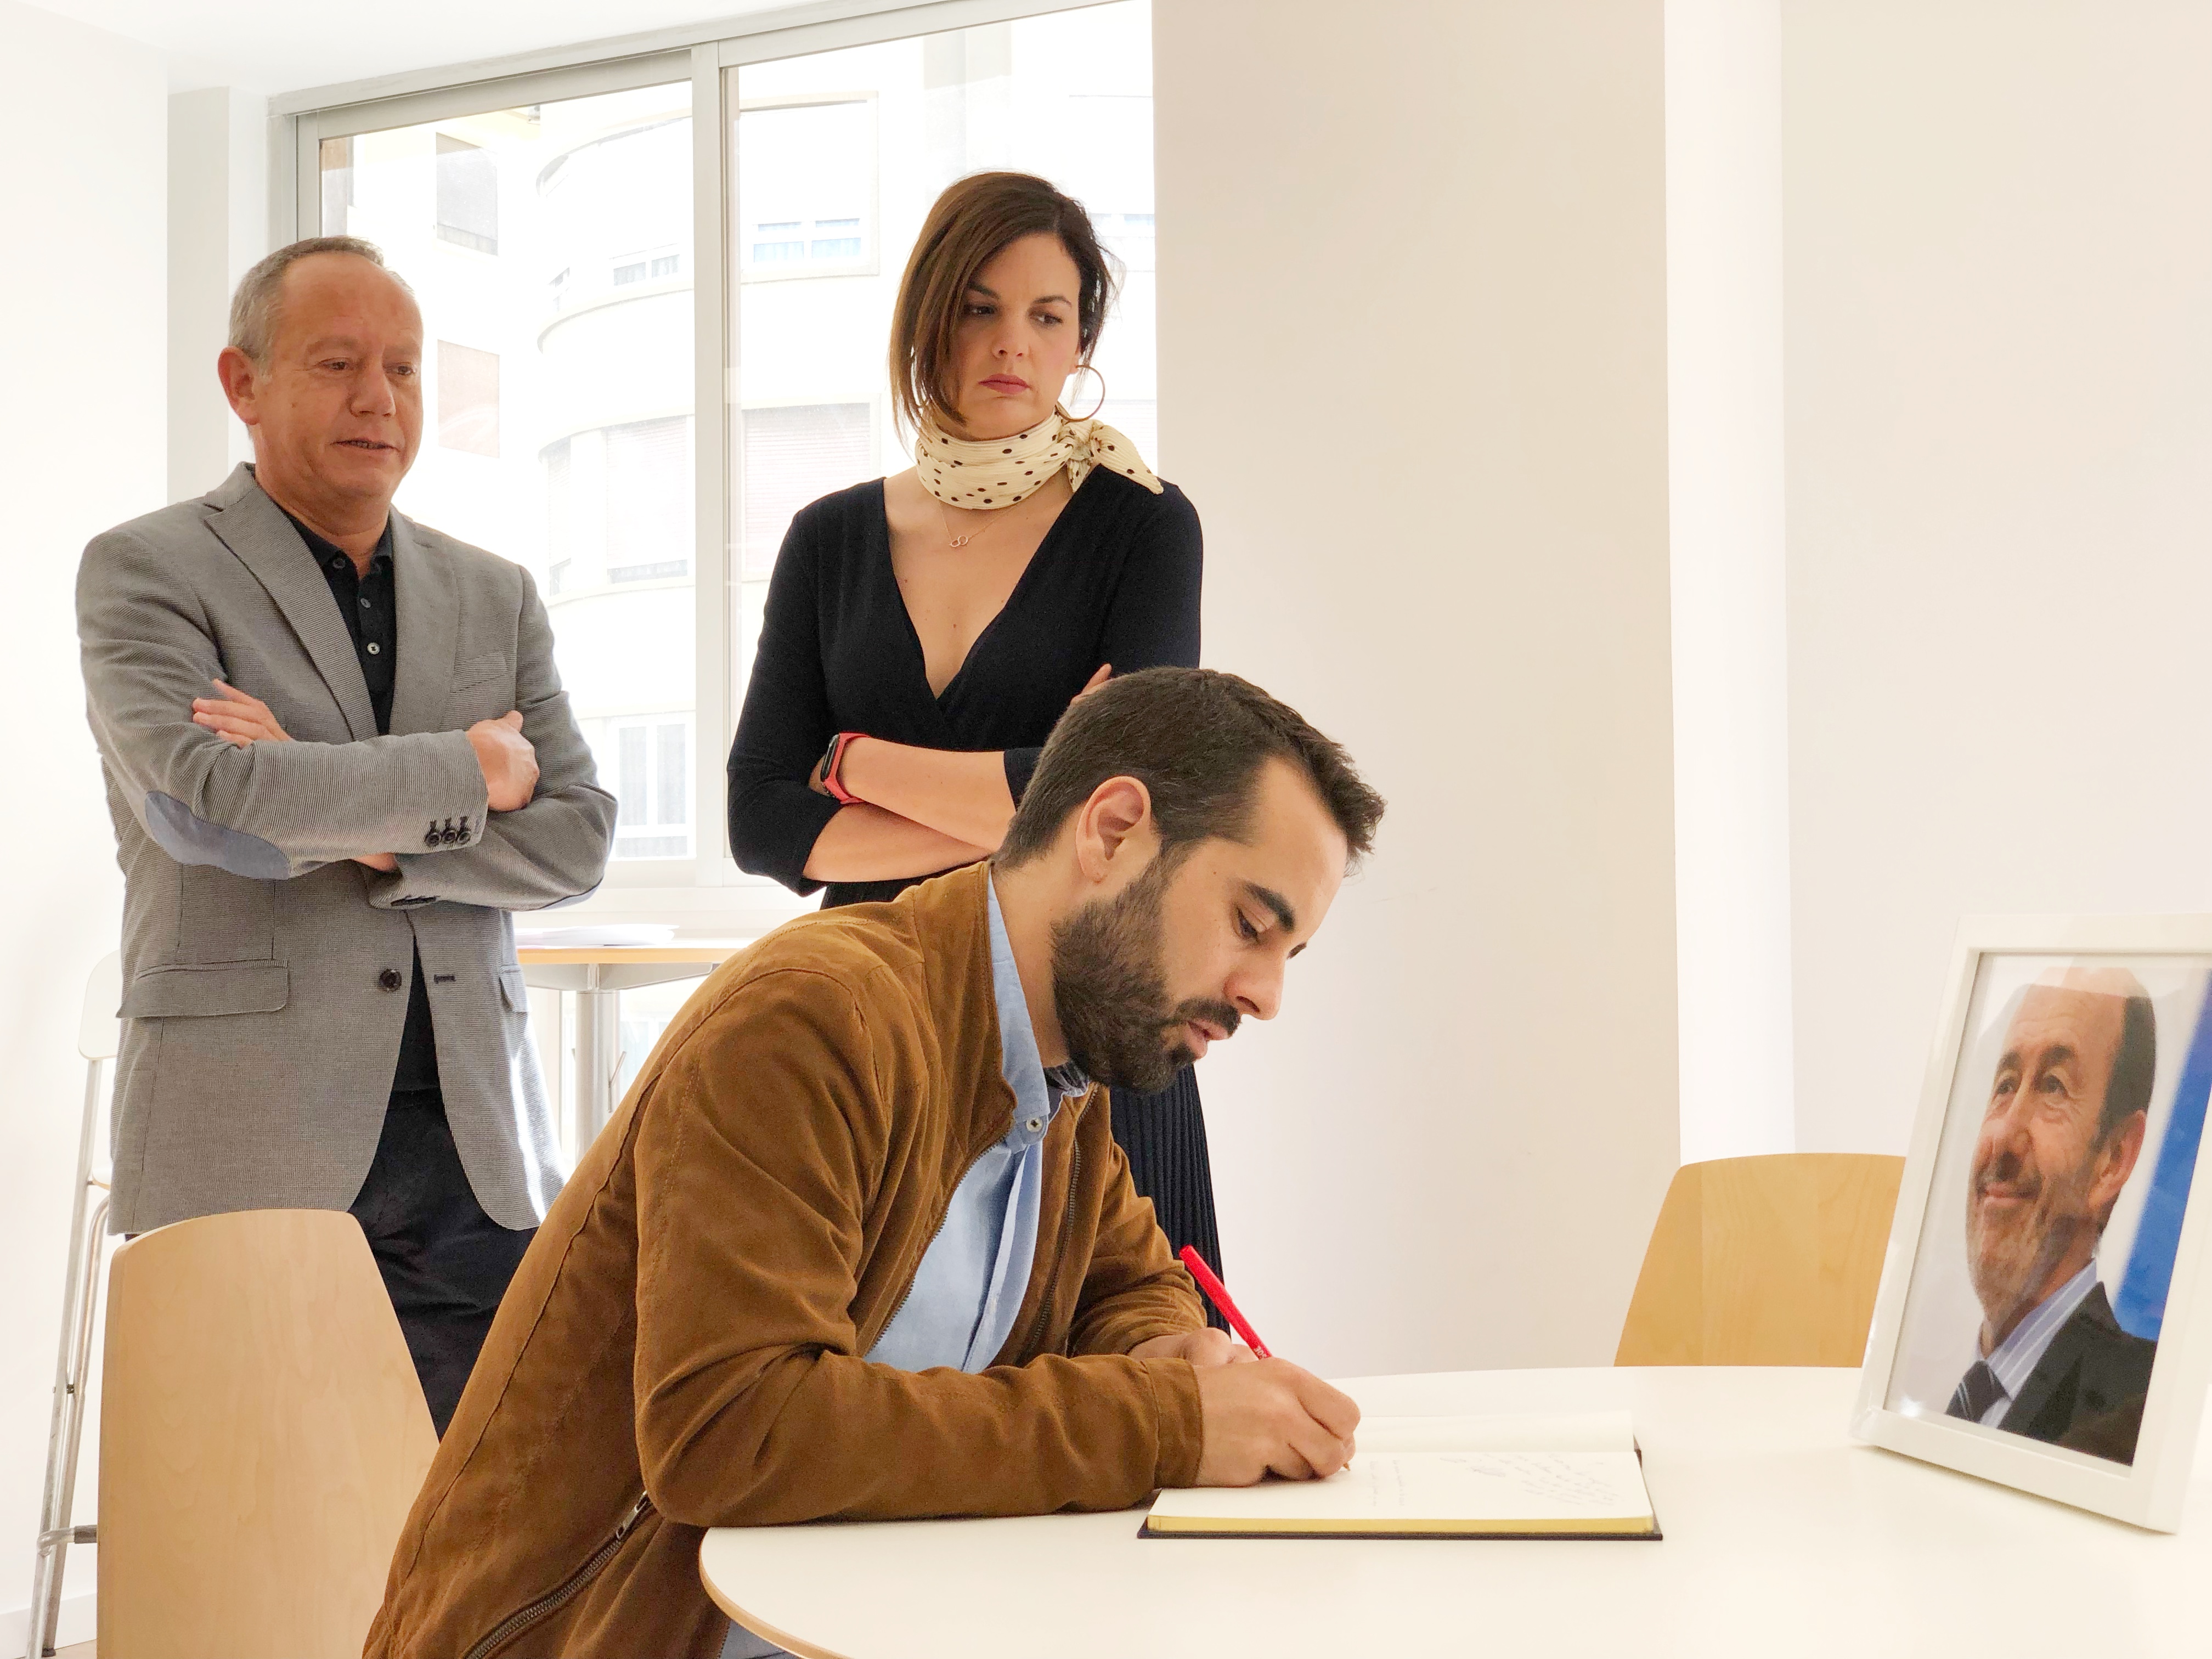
{"x": 1908, "y": 1337}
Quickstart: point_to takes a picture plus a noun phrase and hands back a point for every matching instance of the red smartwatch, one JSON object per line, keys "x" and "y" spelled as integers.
{"x": 832, "y": 758}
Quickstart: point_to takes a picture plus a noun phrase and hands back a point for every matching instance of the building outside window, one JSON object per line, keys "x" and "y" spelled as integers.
{"x": 649, "y": 499}
{"x": 806, "y": 188}
{"x": 468, "y": 195}
{"x": 593, "y": 491}
{"x": 468, "y": 398}
{"x": 652, "y": 776}
{"x": 336, "y": 158}
{"x": 793, "y": 455}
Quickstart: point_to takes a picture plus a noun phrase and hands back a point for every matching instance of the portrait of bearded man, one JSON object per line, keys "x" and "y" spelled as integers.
{"x": 2063, "y": 1126}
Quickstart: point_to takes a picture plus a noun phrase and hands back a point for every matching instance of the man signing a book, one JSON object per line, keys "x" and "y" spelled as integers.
{"x": 859, "y": 1244}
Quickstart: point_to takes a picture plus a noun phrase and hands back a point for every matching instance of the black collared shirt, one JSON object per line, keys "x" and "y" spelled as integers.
{"x": 372, "y": 617}
{"x": 366, "y": 603}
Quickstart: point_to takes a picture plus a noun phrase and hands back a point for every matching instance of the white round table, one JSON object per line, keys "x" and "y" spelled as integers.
{"x": 1784, "y": 1540}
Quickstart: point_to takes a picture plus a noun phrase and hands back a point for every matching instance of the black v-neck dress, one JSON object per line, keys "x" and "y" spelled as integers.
{"x": 1115, "y": 579}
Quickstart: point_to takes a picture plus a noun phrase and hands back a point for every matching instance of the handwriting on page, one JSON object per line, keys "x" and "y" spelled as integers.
{"x": 1540, "y": 1475}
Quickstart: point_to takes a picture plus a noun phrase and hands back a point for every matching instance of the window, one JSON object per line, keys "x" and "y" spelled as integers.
{"x": 559, "y": 520}
{"x": 792, "y": 456}
{"x": 648, "y": 512}
{"x": 619, "y": 504}
{"x": 468, "y": 195}
{"x": 546, "y": 219}
{"x": 468, "y": 398}
{"x": 563, "y": 425}
{"x": 646, "y": 267}
{"x": 336, "y": 158}
{"x": 651, "y": 775}
{"x": 779, "y": 241}
{"x": 806, "y": 187}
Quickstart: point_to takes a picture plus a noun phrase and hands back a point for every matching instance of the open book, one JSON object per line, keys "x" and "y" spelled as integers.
{"x": 1443, "y": 1477}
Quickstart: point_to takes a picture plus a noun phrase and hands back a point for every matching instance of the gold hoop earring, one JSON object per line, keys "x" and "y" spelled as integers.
{"x": 1093, "y": 414}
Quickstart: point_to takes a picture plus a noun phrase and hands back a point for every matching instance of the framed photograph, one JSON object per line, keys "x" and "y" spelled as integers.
{"x": 2043, "y": 1312}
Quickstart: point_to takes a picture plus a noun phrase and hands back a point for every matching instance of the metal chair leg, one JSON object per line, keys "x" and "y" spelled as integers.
{"x": 72, "y": 1374}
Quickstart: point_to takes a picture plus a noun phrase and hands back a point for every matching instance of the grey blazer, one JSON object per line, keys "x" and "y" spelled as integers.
{"x": 259, "y": 1036}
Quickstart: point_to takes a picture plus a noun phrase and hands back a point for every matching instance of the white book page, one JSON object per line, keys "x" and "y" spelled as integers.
{"x": 1585, "y": 1431}
{"x": 1386, "y": 1491}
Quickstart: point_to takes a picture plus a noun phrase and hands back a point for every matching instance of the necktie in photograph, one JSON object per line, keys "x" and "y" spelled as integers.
{"x": 1978, "y": 1390}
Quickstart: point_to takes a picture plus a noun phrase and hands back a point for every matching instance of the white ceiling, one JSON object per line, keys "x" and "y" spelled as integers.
{"x": 285, "y": 45}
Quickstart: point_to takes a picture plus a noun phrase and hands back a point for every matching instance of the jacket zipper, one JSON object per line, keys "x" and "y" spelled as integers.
{"x": 561, "y": 1594}
{"x": 1059, "y": 1251}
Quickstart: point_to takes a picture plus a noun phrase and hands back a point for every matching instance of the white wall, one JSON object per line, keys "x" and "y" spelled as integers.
{"x": 218, "y": 188}
{"x": 84, "y": 125}
{"x": 1413, "y": 354}
{"x": 1729, "y": 588}
{"x": 1999, "y": 271}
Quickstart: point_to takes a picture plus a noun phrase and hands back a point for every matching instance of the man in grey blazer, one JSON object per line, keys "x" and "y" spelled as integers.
{"x": 338, "y": 753}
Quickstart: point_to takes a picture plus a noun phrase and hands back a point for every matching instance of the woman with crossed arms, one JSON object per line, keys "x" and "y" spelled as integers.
{"x": 923, "y": 633}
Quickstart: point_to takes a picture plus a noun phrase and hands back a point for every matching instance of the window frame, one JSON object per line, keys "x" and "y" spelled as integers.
{"x": 713, "y": 890}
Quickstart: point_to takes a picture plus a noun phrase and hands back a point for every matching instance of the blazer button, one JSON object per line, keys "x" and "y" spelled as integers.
{"x": 389, "y": 978}
{"x": 431, "y": 840}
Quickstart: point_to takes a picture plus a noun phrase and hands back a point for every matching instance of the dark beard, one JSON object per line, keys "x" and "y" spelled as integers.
{"x": 1110, "y": 997}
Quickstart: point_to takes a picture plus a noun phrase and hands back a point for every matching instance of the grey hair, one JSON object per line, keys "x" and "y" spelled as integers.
{"x": 253, "y": 307}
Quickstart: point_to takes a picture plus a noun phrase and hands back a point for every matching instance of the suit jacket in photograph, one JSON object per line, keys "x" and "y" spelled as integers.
{"x": 2088, "y": 1390}
{"x": 261, "y": 1016}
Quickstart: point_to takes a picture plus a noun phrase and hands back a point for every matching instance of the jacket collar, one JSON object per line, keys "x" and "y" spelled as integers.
{"x": 2091, "y": 1323}
{"x": 255, "y": 529}
{"x": 952, "y": 926}
{"x": 428, "y": 608}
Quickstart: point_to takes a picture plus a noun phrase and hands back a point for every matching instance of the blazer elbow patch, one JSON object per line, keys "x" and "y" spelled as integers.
{"x": 573, "y": 898}
{"x": 191, "y": 839}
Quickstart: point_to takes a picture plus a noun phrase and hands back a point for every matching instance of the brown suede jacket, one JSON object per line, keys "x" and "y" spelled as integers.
{"x": 681, "y": 1348}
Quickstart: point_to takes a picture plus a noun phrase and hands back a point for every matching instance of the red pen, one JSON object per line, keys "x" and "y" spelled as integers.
{"x": 1218, "y": 1293}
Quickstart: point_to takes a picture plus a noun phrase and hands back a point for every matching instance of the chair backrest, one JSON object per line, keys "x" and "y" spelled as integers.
{"x": 98, "y": 1029}
{"x": 261, "y": 1437}
{"x": 1764, "y": 1261}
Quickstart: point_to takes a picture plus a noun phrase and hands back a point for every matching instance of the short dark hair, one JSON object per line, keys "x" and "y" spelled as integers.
{"x": 2134, "y": 1067}
{"x": 1197, "y": 739}
{"x": 975, "y": 220}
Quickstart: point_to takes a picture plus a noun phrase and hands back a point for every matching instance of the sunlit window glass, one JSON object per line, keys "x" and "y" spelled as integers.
{"x": 548, "y": 246}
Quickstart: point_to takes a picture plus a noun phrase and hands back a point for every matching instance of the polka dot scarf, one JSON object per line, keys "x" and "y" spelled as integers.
{"x": 999, "y": 472}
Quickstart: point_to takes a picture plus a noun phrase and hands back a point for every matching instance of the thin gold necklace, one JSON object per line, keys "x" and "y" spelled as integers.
{"x": 952, "y": 540}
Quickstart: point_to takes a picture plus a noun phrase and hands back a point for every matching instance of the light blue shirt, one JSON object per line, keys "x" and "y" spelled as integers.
{"x": 961, "y": 1308}
{"x": 2016, "y": 1357}
{"x": 972, "y": 1279}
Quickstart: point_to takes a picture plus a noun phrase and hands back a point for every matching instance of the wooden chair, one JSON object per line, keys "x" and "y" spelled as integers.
{"x": 1764, "y": 1261}
{"x": 261, "y": 1437}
